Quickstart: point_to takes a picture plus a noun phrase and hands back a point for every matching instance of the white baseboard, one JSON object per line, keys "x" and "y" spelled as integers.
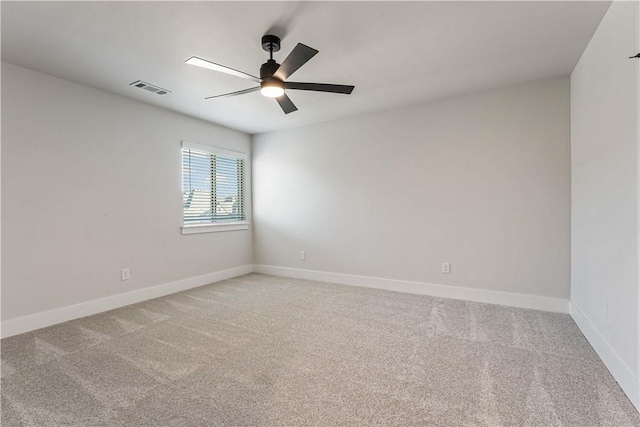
{"x": 620, "y": 371}
{"x": 478, "y": 295}
{"x": 32, "y": 322}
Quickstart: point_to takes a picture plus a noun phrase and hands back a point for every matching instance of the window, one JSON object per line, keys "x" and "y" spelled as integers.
{"x": 212, "y": 189}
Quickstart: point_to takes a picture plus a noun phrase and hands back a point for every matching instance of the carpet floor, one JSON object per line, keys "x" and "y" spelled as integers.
{"x": 264, "y": 350}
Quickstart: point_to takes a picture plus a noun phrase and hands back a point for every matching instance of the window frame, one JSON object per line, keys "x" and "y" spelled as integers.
{"x": 213, "y": 227}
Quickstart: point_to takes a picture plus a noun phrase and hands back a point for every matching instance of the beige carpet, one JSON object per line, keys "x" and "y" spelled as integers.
{"x": 261, "y": 350}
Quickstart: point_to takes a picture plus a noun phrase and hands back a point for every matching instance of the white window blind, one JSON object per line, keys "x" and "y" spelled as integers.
{"x": 213, "y": 185}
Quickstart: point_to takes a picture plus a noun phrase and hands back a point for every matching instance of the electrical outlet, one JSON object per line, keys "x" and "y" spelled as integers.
{"x": 125, "y": 274}
{"x": 303, "y": 256}
{"x": 446, "y": 268}
{"x": 605, "y": 310}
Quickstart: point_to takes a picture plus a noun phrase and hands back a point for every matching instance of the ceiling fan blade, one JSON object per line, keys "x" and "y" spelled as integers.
{"x": 240, "y": 92}
{"x": 320, "y": 87}
{"x": 296, "y": 59}
{"x": 286, "y": 104}
{"x": 194, "y": 60}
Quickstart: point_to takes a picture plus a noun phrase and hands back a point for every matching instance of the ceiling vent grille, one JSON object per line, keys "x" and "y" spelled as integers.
{"x": 151, "y": 88}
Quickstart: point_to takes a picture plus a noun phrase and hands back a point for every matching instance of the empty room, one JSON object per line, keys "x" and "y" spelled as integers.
{"x": 320, "y": 213}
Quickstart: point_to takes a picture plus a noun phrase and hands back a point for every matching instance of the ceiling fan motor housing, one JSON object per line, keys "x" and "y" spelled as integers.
{"x": 268, "y": 68}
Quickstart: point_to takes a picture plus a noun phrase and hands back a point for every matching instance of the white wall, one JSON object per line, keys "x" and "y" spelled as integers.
{"x": 604, "y": 149}
{"x": 91, "y": 183}
{"x": 481, "y": 181}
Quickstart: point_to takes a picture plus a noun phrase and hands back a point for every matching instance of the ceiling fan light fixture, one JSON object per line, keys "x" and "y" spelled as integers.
{"x": 272, "y": 88}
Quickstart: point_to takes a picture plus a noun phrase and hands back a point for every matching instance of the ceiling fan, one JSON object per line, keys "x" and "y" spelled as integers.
{"x": 273, "y": 75}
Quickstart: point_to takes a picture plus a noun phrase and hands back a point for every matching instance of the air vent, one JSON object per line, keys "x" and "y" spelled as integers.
{"x": 151, "y": 88}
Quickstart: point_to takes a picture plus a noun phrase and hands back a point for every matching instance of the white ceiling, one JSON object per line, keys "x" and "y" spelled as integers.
{"x": 395, "y": 53}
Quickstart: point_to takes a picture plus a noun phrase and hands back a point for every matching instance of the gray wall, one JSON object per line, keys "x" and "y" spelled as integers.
{"x": 481, "y": 181}
{"x": 604, "y": 220}
{"x": 91, "y": 183}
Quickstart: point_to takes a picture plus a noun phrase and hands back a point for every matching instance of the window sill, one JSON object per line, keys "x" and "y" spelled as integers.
{"x": 214, "y": 228}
